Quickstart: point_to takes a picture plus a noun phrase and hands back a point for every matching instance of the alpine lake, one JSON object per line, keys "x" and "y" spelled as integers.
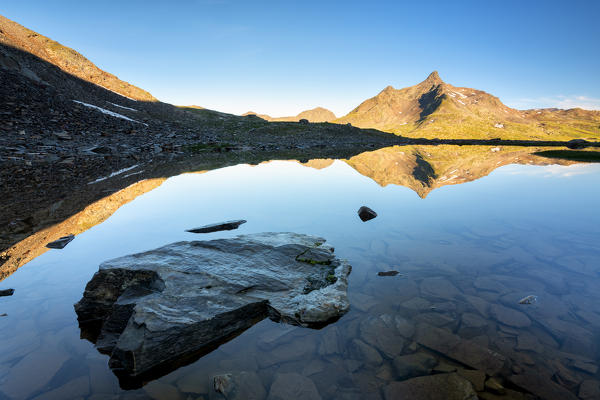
{"x": 480, "y": 276}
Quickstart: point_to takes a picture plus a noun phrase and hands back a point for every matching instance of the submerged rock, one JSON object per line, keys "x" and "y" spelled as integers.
{"x": 388, "y": 273}
{"x": 531, "y": 299}
{"x": 366, "y": 214}
{"x": 433, "y": 387}
{"x": 222, "y": 226}
{"x": 152, "y": 310}
{"x": 61, "y": 243}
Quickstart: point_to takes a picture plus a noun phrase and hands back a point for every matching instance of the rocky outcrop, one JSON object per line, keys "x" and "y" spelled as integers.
{"x": 151, "y": 310}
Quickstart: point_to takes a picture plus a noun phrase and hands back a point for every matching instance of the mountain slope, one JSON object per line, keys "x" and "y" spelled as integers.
{"x": 318, "y": 114}
{"x": 65, "y": 58}
{"x": 434, "y": 108}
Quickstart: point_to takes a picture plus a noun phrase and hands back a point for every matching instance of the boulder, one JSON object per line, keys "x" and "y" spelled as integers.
{"x": 222, "y": 226}
{"x": 303, "y": 121}
{"x": 366, "y": 214}
{"x": 7, "y": 292}
{"x": 149, "y": 311}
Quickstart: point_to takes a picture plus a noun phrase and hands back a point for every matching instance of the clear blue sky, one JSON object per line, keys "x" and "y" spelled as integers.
{"x": 281, "y": 57}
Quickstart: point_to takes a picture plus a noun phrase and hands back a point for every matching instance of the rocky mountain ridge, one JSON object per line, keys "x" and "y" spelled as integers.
{"x": 318, "y": 114}
{"x": 434, "y": 108}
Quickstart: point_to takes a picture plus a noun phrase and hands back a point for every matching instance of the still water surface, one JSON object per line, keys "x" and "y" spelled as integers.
{"x": 461, "y": 251}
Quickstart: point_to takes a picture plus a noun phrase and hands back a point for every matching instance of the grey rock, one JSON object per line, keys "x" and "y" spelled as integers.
{"x": 61, "y": 243}
{"x": 7, "y": 292}
{"x": 330, "y": 342}
{"x": 584, "y": 366}
{"x": 472, "y": 324}
{"x": 387, "y": 333}
{"x": 388, "y": 273}
{"x": 541, "y": 386}
{"x": 589, "y": 390}
{"x": 153, "y": 309}
{"x": 531, "y": 299}
{"x": 361, "y": 351}
{"x": 494, "y": 386}
{"x": 303, "y": 121}
{"x": 508, "y": 316}
{"x": 239, "y": 386}
{"x": 433, "y": 387}
{"x": 439, "y": 288}
{"x": 293, "y": 386}
{"x": 77, "y": 388}
{"x": 477, "y": 378}
{"x": 42, "y": 365}
{"x": 416, "y": 364}
{"x": 366, "y": 214}
{"x": 222, "y": 226}
{"x": 464, "y": 351}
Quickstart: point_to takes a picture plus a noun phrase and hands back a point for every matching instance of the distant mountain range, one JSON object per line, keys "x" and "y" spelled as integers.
{"x": 318, "y": 114}
{"x": 430, "y": 109}
{"x": 434, "y": 108}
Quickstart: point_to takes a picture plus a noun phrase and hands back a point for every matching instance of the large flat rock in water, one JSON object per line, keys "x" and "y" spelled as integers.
{"x": 152, "y": 310}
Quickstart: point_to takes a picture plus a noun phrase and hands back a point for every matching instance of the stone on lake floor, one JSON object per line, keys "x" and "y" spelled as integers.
{"x": 509, "y": 316}
{"x": 433, "y": 387}
{"x": 61, "y": 243}
{"x": 238, "y": 386}
{"x": 293, "y": 386}
{"x": 477, "y": 378}
{"x": 387, "y": 333}
{"x": 439, "y": 288}
{"x": 541, "y": 386}
{"x": 416, "y": 364}
{"x": 222, "y": 226}
{"x": 364, "y": 353}
{"x": 494, "y": 386}
{"x": 589, "y": 390}
{"x": 454, "y": 347}
{"x": 388, "y": 273}
{"x": 7, "y": 292}
{"x": 32, "y": 373}
{"x": 531, "y": 299}
{"x": 366, "y": 214}
{"x": 153, "y": 310}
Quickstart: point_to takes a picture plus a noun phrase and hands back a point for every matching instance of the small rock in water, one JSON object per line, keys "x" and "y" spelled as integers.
{"x": 531, "y": 299}
{"x": 222, "y": 226}
{"x": 4, "y": 315}
{"x": 365, "y": 213}
{"x": 388, "y": 273}
{"x": 60, "y": 243}
{"x": 7, "y": 292}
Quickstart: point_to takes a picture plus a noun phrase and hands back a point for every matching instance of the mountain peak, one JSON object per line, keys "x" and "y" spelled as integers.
{"x": 434, "y": 78}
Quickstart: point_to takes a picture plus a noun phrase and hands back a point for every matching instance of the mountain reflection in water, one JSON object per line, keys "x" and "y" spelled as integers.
{"x": 465, "y": 257}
